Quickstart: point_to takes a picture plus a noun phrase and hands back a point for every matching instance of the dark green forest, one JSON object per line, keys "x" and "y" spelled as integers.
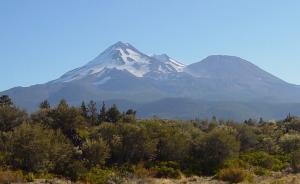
{"x": 92, "y": 145}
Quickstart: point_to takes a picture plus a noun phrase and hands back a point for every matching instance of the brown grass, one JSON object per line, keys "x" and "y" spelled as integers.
{"x": 7, "y": 177}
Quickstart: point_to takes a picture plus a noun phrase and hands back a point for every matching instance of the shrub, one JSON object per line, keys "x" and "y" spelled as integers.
{"x": 98, "y": 175}
{"x": 170, "y": 164}
{"x": 95, "y": 152}
{"x": 168, "y": 169}
{"x": 261, "y": 171}
{"x": 7, "y": 177}
{"x": 247, "y": 137}
{"x": 11, "y": 117}
{"x": 295, "y": 161}
{"x": 237, "y": 163}
{"x": 233, "y": 175}
{"x": 73, "y": 169}
{"x": 3, "y": 159}
{"x": 140, "y": 171}
{"x": 129, "y": 143}
{"x": 167, "y": 172}
{"x": 29, "y": 177}
{"x": 289, "y": 142}
{"x": 173, "y": 143}
{"x": 35, "y": 149}
{"x": 219, "y": 145}
{"x": 264, "y": 160}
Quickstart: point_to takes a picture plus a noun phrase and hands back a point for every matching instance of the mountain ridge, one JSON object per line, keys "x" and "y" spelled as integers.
{"x": 123, "y": 72}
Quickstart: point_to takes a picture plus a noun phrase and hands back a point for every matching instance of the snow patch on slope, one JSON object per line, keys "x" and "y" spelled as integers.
{"x": 102, "y": 81}
{"x": 171, "y": 64}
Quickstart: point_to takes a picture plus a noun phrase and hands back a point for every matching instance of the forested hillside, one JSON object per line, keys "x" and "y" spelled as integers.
{"x": 100, "y": 145}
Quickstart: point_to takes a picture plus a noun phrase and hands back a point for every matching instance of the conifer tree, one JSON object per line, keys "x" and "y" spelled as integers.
{"x": 113, "y": 114}
{"x": 92, "y": 112}
{"x": 84, "y": 110}
{"x": 102, "y": 115}
{"x": 45, "y": 105}
{"x": 63, "y": 104}
{"x": 131, "y": 112}
{"x": 5, "y": 100}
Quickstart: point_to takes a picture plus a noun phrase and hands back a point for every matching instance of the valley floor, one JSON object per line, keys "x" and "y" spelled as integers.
{"x": 276, "y": 178}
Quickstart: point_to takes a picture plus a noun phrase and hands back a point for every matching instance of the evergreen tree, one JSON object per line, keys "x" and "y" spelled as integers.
{"x": 261, "y": 121}
{"x": 84, "y": 110}
{"x": 129, "y": 116}
{"x": 92, "y": 112}
{"x": 68, "y": 119}
{"x": 289, "y": 118}
{"x": 113, "y": 114}
{"x": 11, "y": 117}
{"x": 45, "y": 105}
{"x": 63, "y": 104}
{"x": 102, "y": 115}
{"x": 5, "y": 100}
{"x": 131, "y": 112}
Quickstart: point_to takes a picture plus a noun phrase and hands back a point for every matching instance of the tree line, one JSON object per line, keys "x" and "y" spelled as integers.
{"x": 95, "y": 145}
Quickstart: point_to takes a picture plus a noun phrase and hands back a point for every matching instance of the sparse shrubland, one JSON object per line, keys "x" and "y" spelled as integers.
{"x": 96, "y": 146}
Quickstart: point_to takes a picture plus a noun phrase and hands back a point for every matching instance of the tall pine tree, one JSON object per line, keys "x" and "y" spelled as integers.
{"x": 44, "y": 105}
{"x": 84, "y": 110}
{"x": 102, "y": 115}
{"x": 113, "y": 114}
{"x": 5, "y": 100}
{"x": 92, "y": 113}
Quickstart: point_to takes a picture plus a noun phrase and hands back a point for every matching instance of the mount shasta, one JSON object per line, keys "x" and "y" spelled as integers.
{"x": 226, "y": 86}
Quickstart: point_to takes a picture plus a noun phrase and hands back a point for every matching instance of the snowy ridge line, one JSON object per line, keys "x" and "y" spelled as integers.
{"x": 123, "y": 56}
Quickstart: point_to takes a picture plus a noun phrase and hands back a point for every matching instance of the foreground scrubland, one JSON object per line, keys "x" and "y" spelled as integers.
{"x": 89, "y": 145}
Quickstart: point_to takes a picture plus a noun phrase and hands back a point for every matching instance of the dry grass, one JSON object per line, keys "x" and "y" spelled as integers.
{"x": 275, "y": 178}
{"x": 7, "y": 177}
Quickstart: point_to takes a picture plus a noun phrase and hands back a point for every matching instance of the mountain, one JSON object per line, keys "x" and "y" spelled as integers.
{"x": 124, "y": 57}
{"x": 160, "y": 85}
{"x": 236, "y": 79}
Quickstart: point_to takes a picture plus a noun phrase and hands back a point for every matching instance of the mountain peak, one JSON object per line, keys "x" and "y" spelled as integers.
{"x": 223, "y": 58}
{"x": 172, "y": 64}
{"x": 120, "y": 44}
{"x": 119, "y": 53}
{"x": 124, "y": 57}
{"x": 231, "y": 68}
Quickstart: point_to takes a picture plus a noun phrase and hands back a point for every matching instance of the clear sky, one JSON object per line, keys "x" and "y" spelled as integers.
{"x": 42, "y": 39}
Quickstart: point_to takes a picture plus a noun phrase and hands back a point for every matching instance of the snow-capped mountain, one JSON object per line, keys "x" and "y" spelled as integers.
{"x": 124, "y": 57}
{"x": 220, "y": 85}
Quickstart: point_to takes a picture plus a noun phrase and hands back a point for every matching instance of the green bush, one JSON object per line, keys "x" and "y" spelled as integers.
{"x": 237, "y": 163}
{"x": 261, "y": 171}
{"x": 11, "y": 117}
{"x": 289, "y": 143}
{"x": 129, "y": 143}
{"x": 295, "y": 161}
{"x": 29, "y": 177}
{"x": 98, "y": 175}
{"x": 167, "y": 172}
{"x": 233, "y": 175}
{"x": 264, "y": 160}
{"x": 3, "y": 159}
{"x": 35, "y": 149}
{"x": 95, "y": 152}
{"x": 169, "y": 169}
{"x": 218, "y": 146}
{"x": 142, "y": 171}
{"x": 73, "y": 170}
{"x": 170, "y": 164}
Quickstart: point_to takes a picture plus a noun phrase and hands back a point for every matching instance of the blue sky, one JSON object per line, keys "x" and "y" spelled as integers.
{"x": 41, "y": 40}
